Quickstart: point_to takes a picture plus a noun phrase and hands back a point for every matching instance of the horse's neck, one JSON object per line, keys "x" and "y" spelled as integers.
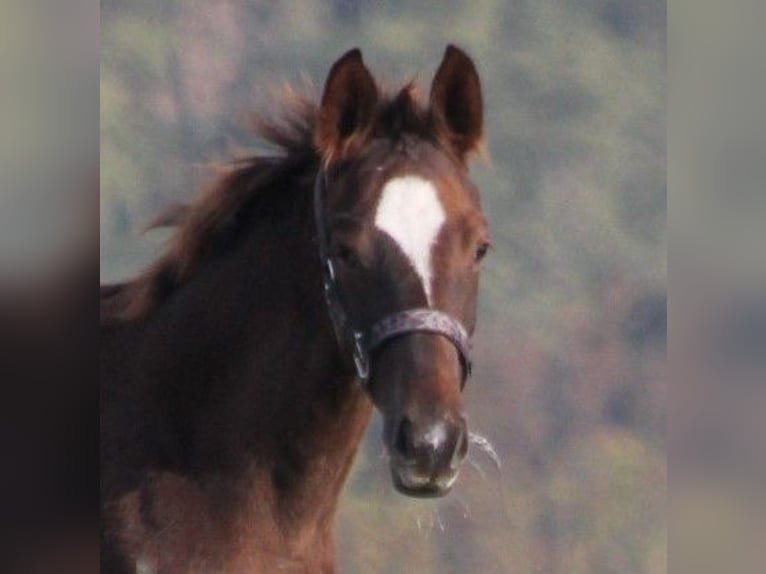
{"x": 269, "y": 405}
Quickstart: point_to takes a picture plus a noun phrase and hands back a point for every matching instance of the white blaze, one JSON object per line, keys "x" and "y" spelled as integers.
{"x": 411, "y": 213}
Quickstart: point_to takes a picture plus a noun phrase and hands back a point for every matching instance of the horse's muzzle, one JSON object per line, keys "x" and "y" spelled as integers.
{"x": 426, "y": 455}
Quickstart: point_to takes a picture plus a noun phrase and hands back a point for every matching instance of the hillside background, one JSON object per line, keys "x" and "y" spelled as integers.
{"x": 570, "y": 379}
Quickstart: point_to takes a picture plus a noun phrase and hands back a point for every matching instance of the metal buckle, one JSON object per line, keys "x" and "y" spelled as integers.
{"x": 330, "y": 269}
{"x": 361, "y": 358}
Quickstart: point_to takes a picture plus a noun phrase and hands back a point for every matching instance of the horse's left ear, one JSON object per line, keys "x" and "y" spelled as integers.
{"x": 347, "y": 111}
{"x": 456, "y": 104}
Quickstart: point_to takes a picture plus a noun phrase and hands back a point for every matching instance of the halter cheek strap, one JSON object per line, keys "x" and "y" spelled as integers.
{"x": 357, "y": 344}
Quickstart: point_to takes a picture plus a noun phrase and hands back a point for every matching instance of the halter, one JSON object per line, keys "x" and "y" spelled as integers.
{"x": 359, "y": 344}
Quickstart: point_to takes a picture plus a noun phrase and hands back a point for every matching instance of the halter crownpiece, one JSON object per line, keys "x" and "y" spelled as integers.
{"x": 356, "y": 343}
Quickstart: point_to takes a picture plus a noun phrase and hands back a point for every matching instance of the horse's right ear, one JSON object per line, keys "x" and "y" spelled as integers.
{"x": 456, "y": 102}
{"x": 347, "y": 112}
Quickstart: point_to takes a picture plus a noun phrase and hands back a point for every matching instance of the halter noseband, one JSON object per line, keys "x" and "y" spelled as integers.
{"x": 359, "y": 344}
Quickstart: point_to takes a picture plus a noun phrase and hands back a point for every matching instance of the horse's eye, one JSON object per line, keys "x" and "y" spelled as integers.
{"x": 482, "y": 250}
{"x": 347, "y": 256}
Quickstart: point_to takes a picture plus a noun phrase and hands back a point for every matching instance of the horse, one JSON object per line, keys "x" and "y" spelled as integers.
{"x": 300, "y": 291}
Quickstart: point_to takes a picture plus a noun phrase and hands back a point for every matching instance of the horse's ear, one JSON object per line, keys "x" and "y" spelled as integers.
{"x": 456, "y": 105}
{"x": 347, "y": 111}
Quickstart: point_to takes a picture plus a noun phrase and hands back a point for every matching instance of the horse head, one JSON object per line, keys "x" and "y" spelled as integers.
{"x": 405, "y": 235}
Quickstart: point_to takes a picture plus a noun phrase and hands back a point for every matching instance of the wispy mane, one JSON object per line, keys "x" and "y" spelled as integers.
{"x": 207, "y": 226}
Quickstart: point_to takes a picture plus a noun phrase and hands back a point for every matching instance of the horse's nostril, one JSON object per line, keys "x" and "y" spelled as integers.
{"x": 403, "y": 443}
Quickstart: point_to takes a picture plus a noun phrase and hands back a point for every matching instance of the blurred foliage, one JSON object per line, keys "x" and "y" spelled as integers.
{"x": 570, "y": 378}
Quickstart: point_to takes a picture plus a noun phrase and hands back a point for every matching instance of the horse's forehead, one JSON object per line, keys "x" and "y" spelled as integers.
{"x": 411, "y": 212}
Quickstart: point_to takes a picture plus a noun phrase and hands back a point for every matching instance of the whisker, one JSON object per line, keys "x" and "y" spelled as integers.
{"x": 464, "y": 509}
{"x": 425, "y": 521}
{"x": 486, "y": 446}
{"x": 475, "y": 464}
{"x": 439, "y": 520}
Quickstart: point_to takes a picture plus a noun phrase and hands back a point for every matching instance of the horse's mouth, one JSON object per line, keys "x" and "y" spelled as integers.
{"x": 410, "y": 483}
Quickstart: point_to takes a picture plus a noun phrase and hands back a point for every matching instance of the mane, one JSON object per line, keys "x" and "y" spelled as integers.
{"x": 209, "y": 225}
